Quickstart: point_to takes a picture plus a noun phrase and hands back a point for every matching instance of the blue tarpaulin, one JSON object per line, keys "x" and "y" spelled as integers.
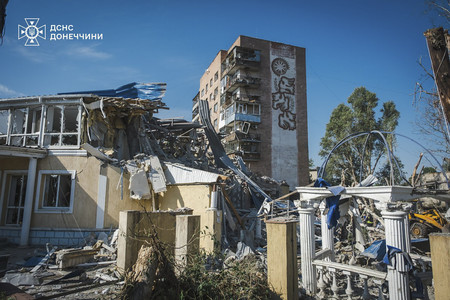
{"x": 332, "y": 203}
{"x": 376, "y": 251}
{"x": 149, "y": 91}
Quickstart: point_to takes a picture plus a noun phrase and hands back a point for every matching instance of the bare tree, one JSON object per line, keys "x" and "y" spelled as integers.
{"x": 430, "y": 120}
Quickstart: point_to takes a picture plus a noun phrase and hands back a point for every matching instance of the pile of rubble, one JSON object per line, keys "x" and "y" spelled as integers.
{"x": 87, "y": 272}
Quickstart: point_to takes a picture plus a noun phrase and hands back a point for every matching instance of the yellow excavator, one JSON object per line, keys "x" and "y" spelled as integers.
{"x": 421, "y": 224}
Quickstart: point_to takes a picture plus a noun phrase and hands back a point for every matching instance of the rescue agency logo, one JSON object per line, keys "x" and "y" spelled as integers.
{"x": 32, "y": 32}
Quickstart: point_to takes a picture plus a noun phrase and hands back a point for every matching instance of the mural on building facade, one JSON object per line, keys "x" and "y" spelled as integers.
{"x": 283, "y": 92}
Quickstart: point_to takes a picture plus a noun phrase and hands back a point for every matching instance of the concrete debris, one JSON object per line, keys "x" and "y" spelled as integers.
{"x": 243, "y": 250}
{"x": 139, "y": 188}
{"x": 52, "y": 280}
{"x": 71, "y": 257}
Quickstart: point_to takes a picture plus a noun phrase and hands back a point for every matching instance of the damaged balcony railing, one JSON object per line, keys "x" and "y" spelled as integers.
{"x": 241, "y": 81}
{"x": 240, "y": 56}
{"x": 328, "y": 272}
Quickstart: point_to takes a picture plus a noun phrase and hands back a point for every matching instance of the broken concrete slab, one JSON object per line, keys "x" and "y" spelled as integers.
{"x": 139, "y": 187}
{"x": 156, "y": 174}
{"x": 72, "y": 257}
{"x": 242, "y": 250}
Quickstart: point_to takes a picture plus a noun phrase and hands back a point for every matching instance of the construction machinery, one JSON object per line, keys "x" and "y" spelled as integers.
{"x": 421, "y": 224}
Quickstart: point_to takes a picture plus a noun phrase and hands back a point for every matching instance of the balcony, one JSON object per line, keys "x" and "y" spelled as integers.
{"x": 195, "y": 111}
{"x": 238, "y": 81}
{"x": 240, "y": 136}
{"x": 247, "y": 150}
{"x": 242, "y": 117}
{"x": 227, "y": 98}
{"x": 241, "y": 57}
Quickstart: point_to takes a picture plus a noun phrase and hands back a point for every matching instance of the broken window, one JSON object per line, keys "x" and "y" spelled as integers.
{"x": 17, "y": 126}
{"x": 242, "y": 108}
{"x": 33, "y": 126}
{"x": 4, "y": 116}
{"x": 57, "y": 189}
{"x": 61, "y": 128}
{"x": 16, "y": 199}
{"x": 23, "y": 126}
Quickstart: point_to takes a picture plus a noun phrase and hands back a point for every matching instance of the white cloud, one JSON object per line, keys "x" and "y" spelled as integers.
{"x": 7, "y": 92}
{"x": 88, "y": 52}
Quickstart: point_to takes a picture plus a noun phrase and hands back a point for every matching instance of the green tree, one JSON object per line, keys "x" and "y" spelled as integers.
{"x": 359, "y": 115}
{"x": 427, "y": 170}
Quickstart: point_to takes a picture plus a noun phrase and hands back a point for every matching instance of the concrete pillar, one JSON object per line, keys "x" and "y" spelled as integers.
{"x": 126, "y": 243}
{"x": 211, "y": 239}
{"x": 282, "y": 272}
{"x": 327, "y": 234}
{"x": 187, "y": 238}
{"x": 395, "y": 231}
{"x": 28, "y": 207}
{"x": 440, "y": 259}
{"x": 308, "y": 249}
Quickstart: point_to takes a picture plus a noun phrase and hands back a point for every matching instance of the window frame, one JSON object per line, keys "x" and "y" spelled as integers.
{"x": 40, "y": 132}
{"x": 40, "y": 189}
{"x": 5, "y": 189}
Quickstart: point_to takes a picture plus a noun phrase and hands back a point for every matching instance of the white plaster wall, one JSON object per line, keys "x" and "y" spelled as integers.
{"x": 284, "y": 132}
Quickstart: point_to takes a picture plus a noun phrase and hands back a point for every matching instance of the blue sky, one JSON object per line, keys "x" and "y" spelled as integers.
{"x": 351, "y": 43}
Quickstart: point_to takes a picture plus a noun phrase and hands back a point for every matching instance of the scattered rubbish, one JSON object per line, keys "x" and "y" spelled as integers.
{"x": 44, "y": 260}
{"x": 19, "y": 279}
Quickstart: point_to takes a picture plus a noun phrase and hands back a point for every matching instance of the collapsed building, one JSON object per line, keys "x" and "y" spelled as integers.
{"x": 69, "y": 163}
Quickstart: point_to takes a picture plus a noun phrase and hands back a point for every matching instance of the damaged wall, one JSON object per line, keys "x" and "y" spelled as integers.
{"x": 195, "y": 196}
{"x": 85, "y": 206}
{"x": 114, "y": 204}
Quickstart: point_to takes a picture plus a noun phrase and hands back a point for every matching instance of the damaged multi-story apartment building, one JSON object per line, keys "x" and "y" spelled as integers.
{"x": 256, "y": 92}
{"x": 69, "y": 163}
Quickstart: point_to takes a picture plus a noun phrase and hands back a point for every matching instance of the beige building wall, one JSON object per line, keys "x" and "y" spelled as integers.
{"x": 84, "y": 212}
{"x": 196, "y": 197}
{"x": 114, "y": 202}
{"x": 210, "y": 92}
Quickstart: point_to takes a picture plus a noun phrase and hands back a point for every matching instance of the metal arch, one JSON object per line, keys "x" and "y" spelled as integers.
{"x": 383, "y": 139}
{"x": 428, "y": 151}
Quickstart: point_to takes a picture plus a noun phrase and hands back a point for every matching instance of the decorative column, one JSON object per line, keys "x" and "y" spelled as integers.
{"x": 395, "y": 231}
{"x": 327, "y": 234}
{"x": 407, "y": 233}
{"x": 28, "y": 207}
{"x": 308, "y": 249}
